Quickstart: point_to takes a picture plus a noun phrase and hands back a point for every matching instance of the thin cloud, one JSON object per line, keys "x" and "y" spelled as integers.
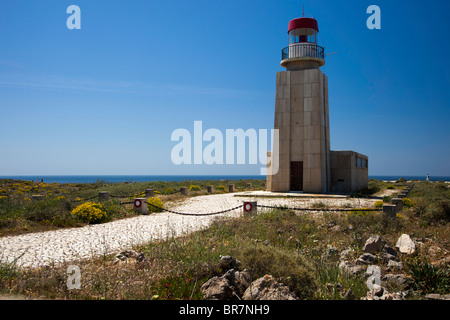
{"x": 51, "y": 82}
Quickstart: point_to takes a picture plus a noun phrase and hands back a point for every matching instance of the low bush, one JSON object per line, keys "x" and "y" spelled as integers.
{"x": 194, "y": 188}
{"x": 407, "y": 202}
{"x": 90, "y": 212}
{"x": 154, "y": 204}
{"x": 291, "y": 270}
{"x": 378, "y": 204}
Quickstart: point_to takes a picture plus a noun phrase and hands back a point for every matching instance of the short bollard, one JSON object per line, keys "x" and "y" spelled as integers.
{"x": 390, "y": 210}
{"x": 184, "y": 191}
{"x": 249, "y": 208}
{"x": 149, "y": 193}
{"x": 140, "y": 205}
{"x": 103, "y": 196}
{"x": 398, "y": 203}
{"x": 210, "y": 189}
{"x": 231, "y": 188}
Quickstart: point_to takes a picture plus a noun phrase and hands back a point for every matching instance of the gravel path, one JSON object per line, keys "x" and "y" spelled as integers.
{"x": 44, "y": 248}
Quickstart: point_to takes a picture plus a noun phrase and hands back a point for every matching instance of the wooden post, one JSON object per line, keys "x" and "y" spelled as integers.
{"x": 103, "y": 196}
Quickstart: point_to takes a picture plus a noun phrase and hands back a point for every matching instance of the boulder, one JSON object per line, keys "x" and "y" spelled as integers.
{"x": 405, "y": 244}
{"x": 373, "y": 245}
{"x": 229, "y": 286}
{"x": 366, "y": 258}
{"x": 394, "y": 265}
{"x": 267, "y": 288}
{"x": 350, "y": 268}
{"x": 217, "y": 288}
{"x": 398, "y": 280}
{"x": 228, "y": 262}
{"x": 388, "y": 253}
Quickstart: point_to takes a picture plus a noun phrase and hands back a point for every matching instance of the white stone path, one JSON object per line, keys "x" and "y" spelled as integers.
{"x": 45, "y": 248}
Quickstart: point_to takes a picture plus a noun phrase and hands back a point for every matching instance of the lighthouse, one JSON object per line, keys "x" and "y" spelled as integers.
{"x": 305, "y": 161}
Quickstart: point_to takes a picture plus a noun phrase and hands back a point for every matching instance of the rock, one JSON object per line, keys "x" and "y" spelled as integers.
{"x": 351, "y": 269}
{"x": 366, "y": 258}
{"x": 396, "y": 279}
{"x": 435, "y": 251}
{"x": 217, "y": 288}
{"x": 266, "y": 242}
{"x": 349, "y": 295}
{"x": 228, "y": 262}
{"x": 388, "y": 253}
{"x": 394, "y": 265}
{"x": 373, "y": 244}
{"x": 239, "y": 280}
{"x": 441, "y": 262}
{"x": 436, "y": 296}
{"x": 231, "y": 285}
{"x": 405, "y": 244}
{"x": 127, "y": 254}
{"x": 267, "y": 288}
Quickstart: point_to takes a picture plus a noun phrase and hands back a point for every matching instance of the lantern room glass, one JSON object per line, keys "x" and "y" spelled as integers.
{"x": 302, "y": 35}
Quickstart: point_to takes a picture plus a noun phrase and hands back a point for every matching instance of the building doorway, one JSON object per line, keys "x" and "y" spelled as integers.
{"x": 296, "y": 176}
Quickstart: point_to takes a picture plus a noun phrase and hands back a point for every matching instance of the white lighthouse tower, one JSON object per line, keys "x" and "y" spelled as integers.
{"x": 305, "y": 161}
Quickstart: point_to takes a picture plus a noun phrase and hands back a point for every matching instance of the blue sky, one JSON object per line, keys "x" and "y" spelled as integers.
{"x": 105, "y": 99}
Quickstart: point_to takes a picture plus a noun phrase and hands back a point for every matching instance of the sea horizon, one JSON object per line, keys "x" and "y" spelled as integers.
{"x": 150, "y": 178}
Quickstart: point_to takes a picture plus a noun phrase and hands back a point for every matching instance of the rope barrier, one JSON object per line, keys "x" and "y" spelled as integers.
{"x": 318, "y": 209}
{"x": 196, "y": 214}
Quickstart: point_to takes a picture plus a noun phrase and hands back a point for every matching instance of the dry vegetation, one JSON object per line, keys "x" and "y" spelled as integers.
{"x": 292, "y": 246}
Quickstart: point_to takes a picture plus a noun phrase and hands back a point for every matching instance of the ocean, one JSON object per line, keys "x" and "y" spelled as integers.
{"x": 146, "y": 178}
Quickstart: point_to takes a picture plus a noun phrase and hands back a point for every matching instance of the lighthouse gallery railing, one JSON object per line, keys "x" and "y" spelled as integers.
{"x": 300, "y": 50}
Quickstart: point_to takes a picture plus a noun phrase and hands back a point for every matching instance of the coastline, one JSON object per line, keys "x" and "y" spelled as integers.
{"x": 179, "y": 178}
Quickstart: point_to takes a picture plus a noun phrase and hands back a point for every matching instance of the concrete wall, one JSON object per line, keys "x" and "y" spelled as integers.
{"x": 346, "y": 175}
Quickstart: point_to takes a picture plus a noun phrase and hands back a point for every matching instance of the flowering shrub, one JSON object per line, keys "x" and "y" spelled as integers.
{"x": 194, "y": 188}
{"x": 378, "y": 204}
{"x": 155, "y": 201}
{"x": 220, "y": 188}
{"x": 407, "y": 202}
{"x": 3, "y": 197}
{"x": 90, "y": 212}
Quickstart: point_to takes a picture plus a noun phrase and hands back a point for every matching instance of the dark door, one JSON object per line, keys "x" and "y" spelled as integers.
{"x": 296, "y": 175}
